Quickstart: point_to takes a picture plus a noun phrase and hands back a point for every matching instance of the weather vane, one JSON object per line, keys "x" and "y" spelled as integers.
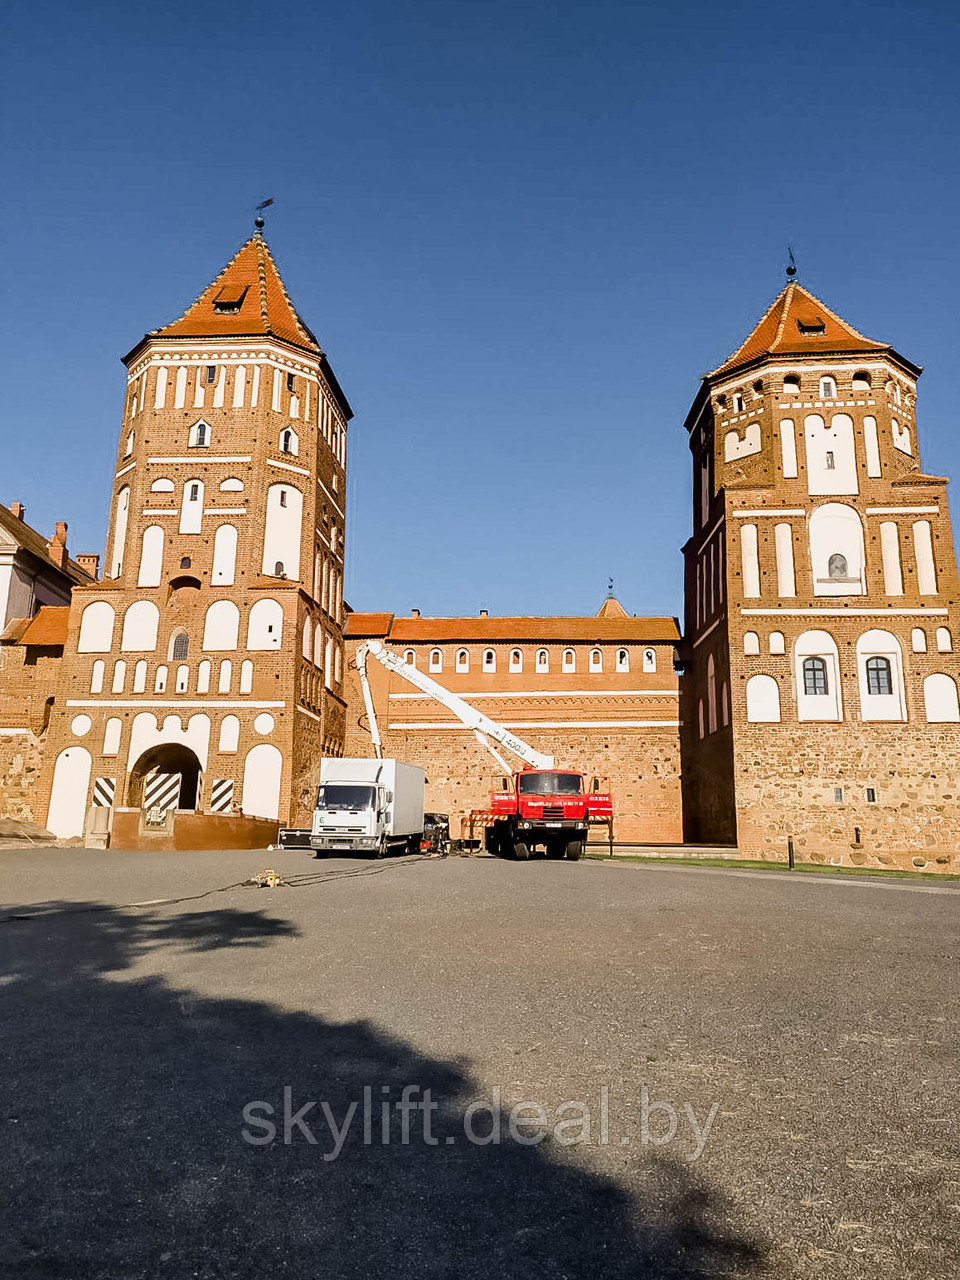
{"x": 610, "y": 586}
{"x": 792, "y": 268}
{"x": 258, "y": 220}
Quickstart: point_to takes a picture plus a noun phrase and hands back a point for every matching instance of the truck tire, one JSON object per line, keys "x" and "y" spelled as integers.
{"x": 520, "y": 851}
{"x": 575, "y": 850}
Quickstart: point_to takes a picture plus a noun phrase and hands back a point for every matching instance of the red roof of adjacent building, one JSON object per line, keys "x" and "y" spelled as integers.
{"x": 48, "y": 627}
{"x": 247, "y": 298}
{"x": 367, "y": 624}
{"x": 560, "y": 629}
{"x": 797, "y": 323}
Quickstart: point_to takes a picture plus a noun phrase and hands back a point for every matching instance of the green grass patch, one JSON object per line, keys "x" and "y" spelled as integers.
{"x": 759, "y": 864}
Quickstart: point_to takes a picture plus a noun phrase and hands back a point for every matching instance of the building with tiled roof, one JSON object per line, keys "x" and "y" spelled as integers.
{"x": 35, "y": 570}
{"x": 599, "y": 693}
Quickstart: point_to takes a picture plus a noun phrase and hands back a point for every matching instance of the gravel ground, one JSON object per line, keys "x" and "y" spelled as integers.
{"x": 801, "y": 1033}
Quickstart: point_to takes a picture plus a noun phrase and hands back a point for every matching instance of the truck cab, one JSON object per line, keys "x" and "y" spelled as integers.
{"x": 546, "y": 808}
{"x": 349, "y": 815}
{"x": 368, "y": 806}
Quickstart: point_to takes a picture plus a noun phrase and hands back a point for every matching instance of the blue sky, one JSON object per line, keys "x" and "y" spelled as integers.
{"x": 521, "y": 231}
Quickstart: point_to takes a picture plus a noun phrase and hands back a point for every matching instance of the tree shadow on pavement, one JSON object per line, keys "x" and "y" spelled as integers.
{"x": 122, "y": 1111}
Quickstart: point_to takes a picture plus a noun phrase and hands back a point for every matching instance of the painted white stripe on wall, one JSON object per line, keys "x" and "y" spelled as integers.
{"x": 300, "y": 471}
{"x": 196, "y": 458}
{"x": 547, "y": 724}
{"x": 551, "y": 693}
{"x": 123, "y": 470}
{"x": 841, "y": 613}
{"x": 170, "y": 702}
{"x": 903, "y": 511}
{"x": 770, "y": 511}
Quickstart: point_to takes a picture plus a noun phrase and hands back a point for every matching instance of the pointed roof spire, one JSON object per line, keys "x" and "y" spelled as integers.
{"x": 612, "y": 608}
{"x": 246, "y": 299}
{"x": 797, "y": 323}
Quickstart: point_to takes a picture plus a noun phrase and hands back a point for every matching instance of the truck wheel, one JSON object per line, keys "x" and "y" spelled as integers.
{"x": 575, "y": 850}
{"x": 521, "y": 852}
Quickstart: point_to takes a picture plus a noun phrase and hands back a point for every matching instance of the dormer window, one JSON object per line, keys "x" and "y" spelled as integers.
{"x": 811, "y": 327}
{"x": 229, "y": 301}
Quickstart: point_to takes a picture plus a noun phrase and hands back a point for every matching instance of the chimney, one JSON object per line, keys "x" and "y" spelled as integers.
{"x": 89, "y": 561}
{"x": 483, "y": 613}
{"x": 18, "y": 509}
{"x": 57, "y": 546}
{"x": 414, "y": 613}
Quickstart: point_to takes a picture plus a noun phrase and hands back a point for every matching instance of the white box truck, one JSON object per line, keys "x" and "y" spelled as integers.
{"x": 368, "y": 806}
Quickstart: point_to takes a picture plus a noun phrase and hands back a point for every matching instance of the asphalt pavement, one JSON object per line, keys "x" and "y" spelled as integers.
{"x": 727, "y": 1073}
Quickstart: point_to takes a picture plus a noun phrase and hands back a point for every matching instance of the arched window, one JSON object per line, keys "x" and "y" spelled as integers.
{"x": 179, "y": 647}
{"x": 221, "y": 627}
{"x": 763, "y": 700}
{"x": 649, "y": 659}
{"x": 265, "y": 624}
{"x": 940, "y": 699}
{"x": 436, "y": 660}
{"x": 410, "y": 658}
{"x": 623, "y": 660}
{"x": 140, "y": 623}
{"x": 751, "y": 643}
{"x": 568, "y": 662}
{"x": 289, "y": 442}
{"x": 160, "y": 680}
{"x": 944, "y": 640}
{"x": 861, "y": 381}
{"x": 837, "y": 566}
{"x": 880, "y": 673}
{"x": 836, "y": 550}
{"x": 516, "y": 660}
{"x": 879, "y": 676}
{"x": 828, "y": 389}
{"x": 815, "y": 682}
{"x": 182, "y": 680}
{"x": 596, "y": 660}
{"x": 489, "y": 660}
{"x": 791, "y": 385}
{"x": 224, "y": 556}
{"x": 542, "y": 663}
{"x": 737, "y": 402}
{"x": 199, "y": 437}
{"x": 191, "y": 509}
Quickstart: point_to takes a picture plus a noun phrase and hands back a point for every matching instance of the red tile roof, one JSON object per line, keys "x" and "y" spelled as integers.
{"x": 48, "y": 627}
{"x": 27, "y": 537}
{"x": 254, "y": 301}
{"x": 367, "y": 624}
{"x": 797, "y": 323}
{"x": 561, "y": 630}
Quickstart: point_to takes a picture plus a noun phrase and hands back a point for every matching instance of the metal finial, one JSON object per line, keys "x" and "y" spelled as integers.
{"x": 609, "y": 588}
{"x": 792, "y": 268}
{"x": 258, "y": 220}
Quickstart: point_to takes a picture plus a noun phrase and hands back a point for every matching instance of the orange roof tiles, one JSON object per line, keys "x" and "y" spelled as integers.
{"x": 48, "y": 627}
{"x": 558, "y": 629}
{"x": 252, "y": 301}
{"x": 612, "y": 608}
{"x": 367, "y": 624}
{"x": 797, "y": 323}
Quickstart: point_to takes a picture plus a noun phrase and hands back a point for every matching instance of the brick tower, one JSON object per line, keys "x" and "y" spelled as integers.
{"x": 820, "y": 694}
{"x": 201, "y": 677}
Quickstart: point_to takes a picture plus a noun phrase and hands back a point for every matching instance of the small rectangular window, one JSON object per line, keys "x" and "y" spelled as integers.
{"x": 211, "y": 373}
{"x": 831, "y": 465}
{"x": 194, "y": 492}
{"x": 838, "y": 794}
{"x": 289, "y": 381}
{"x": 871, "y": 795}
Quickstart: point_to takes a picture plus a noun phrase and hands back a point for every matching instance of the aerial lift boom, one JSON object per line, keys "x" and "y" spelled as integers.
{"x": 483, "y": 727}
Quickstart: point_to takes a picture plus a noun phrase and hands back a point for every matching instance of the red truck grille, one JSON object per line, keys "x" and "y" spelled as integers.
{"x": 553, "y": 811}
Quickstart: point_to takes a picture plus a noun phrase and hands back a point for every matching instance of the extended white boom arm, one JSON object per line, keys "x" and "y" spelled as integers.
{"x": 483, "y": 727}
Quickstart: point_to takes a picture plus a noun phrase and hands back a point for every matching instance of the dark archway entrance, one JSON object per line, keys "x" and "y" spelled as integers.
{"x": 153, "y": 778}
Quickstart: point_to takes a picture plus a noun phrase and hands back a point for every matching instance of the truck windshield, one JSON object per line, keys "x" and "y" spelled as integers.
{"x": 343, "y": 795}
{"x": 551, "y": 784}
